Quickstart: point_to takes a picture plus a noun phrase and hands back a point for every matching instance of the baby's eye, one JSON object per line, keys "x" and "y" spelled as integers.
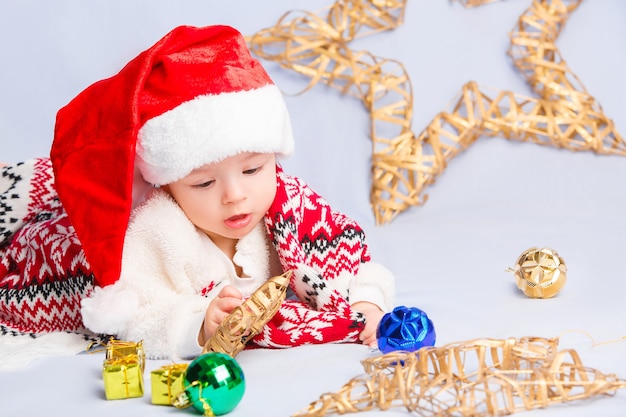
{"x": 251, "y": 171}
{"x": 204, "y": 184}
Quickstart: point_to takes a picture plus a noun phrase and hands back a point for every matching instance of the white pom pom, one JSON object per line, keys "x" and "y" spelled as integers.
{"x": 109, "y": 309}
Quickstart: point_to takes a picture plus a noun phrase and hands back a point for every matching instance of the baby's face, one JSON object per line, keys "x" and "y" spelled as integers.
{"x": 227, "y": 199}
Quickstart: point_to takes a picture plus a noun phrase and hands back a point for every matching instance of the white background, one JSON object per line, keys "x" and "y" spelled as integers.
{"x": 493, "y": 201}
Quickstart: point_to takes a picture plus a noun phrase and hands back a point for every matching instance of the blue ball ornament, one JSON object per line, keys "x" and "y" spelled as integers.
{"x": 406, "y": 329}
{"x": 213, "y": 384}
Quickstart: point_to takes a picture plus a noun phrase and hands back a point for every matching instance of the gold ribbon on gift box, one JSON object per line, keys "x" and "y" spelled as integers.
{"x": 167, "y": 382}
{"x": 123, "y": 377}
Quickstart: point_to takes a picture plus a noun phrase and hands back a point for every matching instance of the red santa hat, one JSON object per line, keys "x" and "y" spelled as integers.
{"x": 194, "y": 97}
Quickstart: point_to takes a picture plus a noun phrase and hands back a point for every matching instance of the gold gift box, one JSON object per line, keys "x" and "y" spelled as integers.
{"x": 167, "y": 382}
{"x": 123, "y": 378}
{"x": 123, "y": 368}
{"x": 120, "y": 349}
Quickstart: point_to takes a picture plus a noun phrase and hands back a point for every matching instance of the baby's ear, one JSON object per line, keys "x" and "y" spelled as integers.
{"x": 140, "y": 188}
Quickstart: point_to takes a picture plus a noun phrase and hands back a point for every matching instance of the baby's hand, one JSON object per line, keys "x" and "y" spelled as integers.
{"x": 221, "y": 306}
{"x": 373, "y": 315}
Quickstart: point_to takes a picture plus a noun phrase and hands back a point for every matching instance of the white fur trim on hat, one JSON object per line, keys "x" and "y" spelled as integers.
{"x": 210, "y": 128}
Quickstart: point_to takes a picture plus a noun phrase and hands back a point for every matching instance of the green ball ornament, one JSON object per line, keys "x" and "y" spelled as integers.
{"x": 213, "y": 384}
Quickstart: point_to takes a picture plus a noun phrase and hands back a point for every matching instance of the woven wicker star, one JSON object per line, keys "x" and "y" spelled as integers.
{"x": 248, "y": 319}
{"x": 563, "y": 115}
{"x": 477, "y": 378}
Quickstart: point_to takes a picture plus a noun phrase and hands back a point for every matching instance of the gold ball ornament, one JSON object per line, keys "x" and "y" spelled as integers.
{"x": 540, "y": 272}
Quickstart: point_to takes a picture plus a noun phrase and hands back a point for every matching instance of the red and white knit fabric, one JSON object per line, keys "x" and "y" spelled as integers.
{"x": 320, "y": 246}
{"x": 44, "y": 274}
{"x": 43, "y": 270}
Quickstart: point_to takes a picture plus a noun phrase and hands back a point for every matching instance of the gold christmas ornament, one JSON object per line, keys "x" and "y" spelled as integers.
{"x": 563, "y": 115}
{"x": 477, "y": 378}
{"x": 540, "y": 272}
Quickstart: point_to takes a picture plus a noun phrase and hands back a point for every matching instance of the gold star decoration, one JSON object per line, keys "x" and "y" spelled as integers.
{"x": 477, "y": 378}
{"x": 564, "y": 114}
{"x": 247, "y": 320}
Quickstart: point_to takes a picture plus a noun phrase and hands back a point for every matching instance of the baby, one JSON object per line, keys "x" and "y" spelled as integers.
{"x": 169, "y": 174}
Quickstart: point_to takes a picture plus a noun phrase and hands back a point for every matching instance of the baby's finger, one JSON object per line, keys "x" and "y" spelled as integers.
{"x": 227, "y": 304}
{"x": 230, "y": 291}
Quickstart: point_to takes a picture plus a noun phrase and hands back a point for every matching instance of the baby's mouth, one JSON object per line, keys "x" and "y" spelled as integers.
{"x": 238, "y": 221}
{"x": 236, "y": 217}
